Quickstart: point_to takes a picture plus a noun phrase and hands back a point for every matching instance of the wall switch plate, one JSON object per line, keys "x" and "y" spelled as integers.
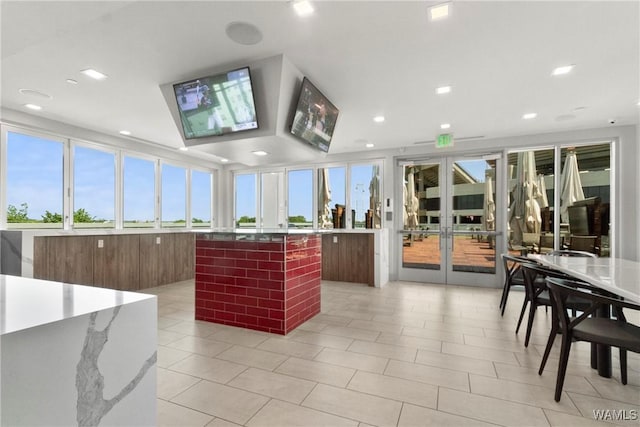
{"x": 100, "y": 243}
{"x": 157, "y": 240}
{"x": 335, "y": 239}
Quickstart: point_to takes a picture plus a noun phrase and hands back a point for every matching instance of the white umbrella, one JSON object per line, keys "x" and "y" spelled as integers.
{"x": 543, "y": 201}
{"x": 570, "y": 185}
{"x": 412, "y": 203}
{"x": 324, "y": 197}
{"x": 489, "y": 203}
{"x": 374, "y": 195}
{"x": 524, "y": 212}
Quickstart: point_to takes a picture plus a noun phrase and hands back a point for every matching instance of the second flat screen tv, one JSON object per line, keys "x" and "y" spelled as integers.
{"x": 315, "y": 117}
{"x": 216, "y": 105}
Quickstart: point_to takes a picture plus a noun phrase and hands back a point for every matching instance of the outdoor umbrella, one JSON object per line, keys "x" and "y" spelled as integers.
{"x": 524, "y": 212}
{"x": 543, "y": 201}
{"x": 374, "y": 195}
{"x": 324, "y": 193}
{"x": 489, "y": 203}
{"x": 412, "y": 203}
{"x": 570, "y": 185}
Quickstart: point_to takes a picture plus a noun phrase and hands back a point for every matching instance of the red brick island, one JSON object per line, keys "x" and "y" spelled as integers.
{"x": 264, "y": 281}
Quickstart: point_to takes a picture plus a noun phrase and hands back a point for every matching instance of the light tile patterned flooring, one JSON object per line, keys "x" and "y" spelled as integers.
{"x": 404, "y": 355}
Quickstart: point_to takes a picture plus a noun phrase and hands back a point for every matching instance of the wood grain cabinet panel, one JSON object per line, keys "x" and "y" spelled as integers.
{"x": 348, "y": 257}
{"x": 78, "y": 260}
{"x": 184, "y": 245}
{"x": 116, "y": 265}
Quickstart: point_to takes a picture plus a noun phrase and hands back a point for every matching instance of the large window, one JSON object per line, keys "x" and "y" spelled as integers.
{"x": 300, "y": 185}
{"x": 174, "y": 196}
{"x": 246, "y": 206}
{"x": 365, "y": 195}
{"x": 94, "y": 190}
{"x": 272, "y": 206}
{"x": 139, "y": 192}
{"x": 200, "y": 198}
{"x": 332, "y": 209}
{"x": 34, "y": 188}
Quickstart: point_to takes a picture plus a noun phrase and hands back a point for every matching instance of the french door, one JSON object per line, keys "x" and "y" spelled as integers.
{"x": 450, "y": 226}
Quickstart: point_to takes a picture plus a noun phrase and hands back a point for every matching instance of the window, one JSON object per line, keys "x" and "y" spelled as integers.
{"x": 200, "y": 199}
{"x": 139, "y": 192}
{"x": 245, "y": 202}
{"x": 300, "y": 184}
{"x": 332, "y": 199}
{"x": 34, "y": 182}
{"x": 174, "y": 196}
{"x": 94, "y": 192}
{"x": 365, "y": 195}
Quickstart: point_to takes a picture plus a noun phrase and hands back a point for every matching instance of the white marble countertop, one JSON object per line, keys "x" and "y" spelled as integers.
{"x": 620, "y": 276}
{"x": 27, "y": 303}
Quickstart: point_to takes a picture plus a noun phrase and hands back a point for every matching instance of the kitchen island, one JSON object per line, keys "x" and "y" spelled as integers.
{"x": 261, "y": 280}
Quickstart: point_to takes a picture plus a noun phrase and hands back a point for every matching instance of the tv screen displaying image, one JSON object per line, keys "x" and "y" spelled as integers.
{"x": 216, "y": 105}
{"x": 315, "y": 117}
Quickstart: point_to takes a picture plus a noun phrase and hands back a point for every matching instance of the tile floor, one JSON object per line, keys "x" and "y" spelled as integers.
{"x": 404, "y": 355}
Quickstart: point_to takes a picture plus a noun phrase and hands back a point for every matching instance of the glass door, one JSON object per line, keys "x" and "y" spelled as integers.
{"x": 449, "y": 221}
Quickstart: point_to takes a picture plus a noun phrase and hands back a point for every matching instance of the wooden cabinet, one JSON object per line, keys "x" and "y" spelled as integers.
{"x": 125, "y": 261}
{"x": 348, "y": 257}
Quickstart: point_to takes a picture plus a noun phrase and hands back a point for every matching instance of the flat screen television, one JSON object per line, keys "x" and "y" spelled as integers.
{"x": 216, "y": 105}
{"x": 315, "y": 117}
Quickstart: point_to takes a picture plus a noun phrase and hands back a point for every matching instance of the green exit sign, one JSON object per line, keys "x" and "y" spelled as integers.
{"x": 444, "y": 140}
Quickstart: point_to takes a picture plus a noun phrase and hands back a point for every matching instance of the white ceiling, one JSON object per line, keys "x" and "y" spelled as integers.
{"x": 368, "y": 57}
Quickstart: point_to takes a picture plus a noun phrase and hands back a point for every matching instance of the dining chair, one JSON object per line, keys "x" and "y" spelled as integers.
{"x": 512, "y": 276}
{"x": 569, "y": 252}
{"x": 616, "y": 332}
{"x": 537, "y": 295}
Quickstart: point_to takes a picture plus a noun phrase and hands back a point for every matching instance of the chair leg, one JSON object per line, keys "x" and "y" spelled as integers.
{"x": 623, "y": 365}
{"x": 547, "y": 350}
{"x": 524, "y": 307}
{"x": 562, "y": 367}
{"x": 505, "y": 296}
{"x": 532, "y": 314}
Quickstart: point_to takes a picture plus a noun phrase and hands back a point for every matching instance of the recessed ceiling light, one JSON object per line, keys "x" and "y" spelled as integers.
{"x": 72, "y": 82}
{"x": 439, "y": 11}
{"x": 303, "y": 7}
{"x": 223, "y": 160}
{"x": 378, "y": 119}
{"x": 183, "y": 148}
{"x": 443, "y": 89}
{"x": 638, "y": 104}
{"x": 529, "y": 116}
{"x": 445, "y": 126}
{"x": 369, "y": 145}
{"x": 244, "y": 33}
{"x": 125, "y": 132}
{"x": 260, "y": 153}
{"x": 35, "y": 93}
{"x": 565, "y": 69}
{"x": 90, "y": 72}
{"x": 33, "y": 107}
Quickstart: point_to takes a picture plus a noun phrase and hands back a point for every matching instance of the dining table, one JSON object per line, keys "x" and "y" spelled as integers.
{"x": 616, "y": 275}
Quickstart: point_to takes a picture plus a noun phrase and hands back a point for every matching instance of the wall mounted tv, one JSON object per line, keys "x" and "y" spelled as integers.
{"x": 315, "y": 117}
{"x": 216, "y": 105}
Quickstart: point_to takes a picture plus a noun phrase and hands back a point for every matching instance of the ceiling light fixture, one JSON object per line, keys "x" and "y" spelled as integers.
{"x": 72, "y": 82}
{"x": 125, "y": 132}
{"x": 445, "y": 126}
{"x": 529, "y": 116}
{"x": 33, "y": 107}
{"x": 35, "y": 93}
{"x": 303, "y": 7}
{"x": 260, "y": 153}
{"x": 223, "y": 160}
{"x": 369, "y": 145}
{"x": 439, "y": 11}
{"x": 97, "y": 75}
{"x": 565, "y": 69}
{"x": 378, "y": 119}
{"x": 183, "y": 148}
{"x": 443, "y": 89}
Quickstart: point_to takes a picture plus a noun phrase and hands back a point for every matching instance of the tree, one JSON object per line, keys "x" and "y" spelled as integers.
{"x": 196, "y": 221}
{"x": 17, "y": 215}
{"x": 297, "y": 218}
{"x": 51, "y": 217}
{"x": 246, "y": 219}
{"x": 82, "y": 215}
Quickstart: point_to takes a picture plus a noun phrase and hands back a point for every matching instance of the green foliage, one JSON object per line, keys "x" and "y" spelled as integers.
{"x": 196, "y": 221}
{"x": 247, "y": 219}
{"x": 297, "y": 219}
{"x": 82, "y": 216}
{"x": 51, "y": 217}
{"x": 179, "y": 221}
{"x": 17, "y": 215}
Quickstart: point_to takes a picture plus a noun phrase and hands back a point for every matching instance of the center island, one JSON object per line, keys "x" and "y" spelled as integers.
{"x": 257, "y": 279}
